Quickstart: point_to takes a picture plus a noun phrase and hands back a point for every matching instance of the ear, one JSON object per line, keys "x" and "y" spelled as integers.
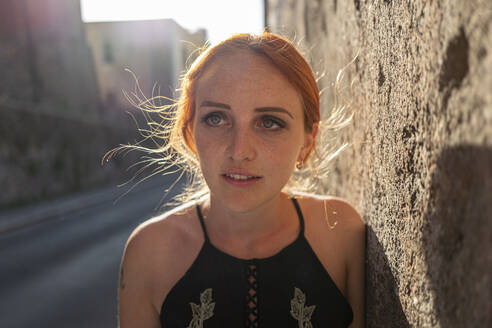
{"x": 309, "y": 138}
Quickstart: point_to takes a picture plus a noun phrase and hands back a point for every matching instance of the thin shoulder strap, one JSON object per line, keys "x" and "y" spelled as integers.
{"x": 299, "y": 214}
{"x": 202, "y": 223}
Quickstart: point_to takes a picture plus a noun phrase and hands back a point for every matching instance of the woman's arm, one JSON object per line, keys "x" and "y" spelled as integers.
{"x": 135, "y": 308}
{"x": 356, "y": 268}
{"x": 339, "y": 227}
{"x": 156, "y": 256}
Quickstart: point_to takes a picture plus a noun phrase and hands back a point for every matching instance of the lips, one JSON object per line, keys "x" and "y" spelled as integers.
{"x": 241, "y": 178}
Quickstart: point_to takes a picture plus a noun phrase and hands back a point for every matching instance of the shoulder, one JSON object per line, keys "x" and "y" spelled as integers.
{"x": 334, "y": 211}
{"x": 167, "y": 231}
{"x": 158, "y": 251}
{"x": 173, "y": 223}
{"x": 334, "y": 222}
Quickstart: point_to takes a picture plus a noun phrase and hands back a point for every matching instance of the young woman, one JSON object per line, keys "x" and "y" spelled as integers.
{"x": 247, "y": 253}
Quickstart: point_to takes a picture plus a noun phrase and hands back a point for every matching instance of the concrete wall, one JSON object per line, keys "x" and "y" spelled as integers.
{"x": 419, "y": 168}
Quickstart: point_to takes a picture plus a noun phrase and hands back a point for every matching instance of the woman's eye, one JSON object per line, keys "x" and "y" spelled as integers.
{"x": 213, "y": 119}
{"x": 271, "y": 123}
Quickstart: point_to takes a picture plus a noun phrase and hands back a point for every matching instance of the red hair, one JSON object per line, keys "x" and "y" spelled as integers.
{"x": 282, "y": 54}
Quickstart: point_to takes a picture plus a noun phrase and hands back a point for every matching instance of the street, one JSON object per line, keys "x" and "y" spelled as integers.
{"x": 63, "y": 272}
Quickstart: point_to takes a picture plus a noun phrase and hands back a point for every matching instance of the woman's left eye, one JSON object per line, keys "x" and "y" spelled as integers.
{"x": 271, "y": 123}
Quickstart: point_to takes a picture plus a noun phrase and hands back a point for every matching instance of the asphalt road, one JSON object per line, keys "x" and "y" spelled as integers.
{"x": 63, "y": 271}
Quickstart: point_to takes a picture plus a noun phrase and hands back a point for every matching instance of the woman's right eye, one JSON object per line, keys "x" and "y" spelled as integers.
{"x": 213, "y": 119}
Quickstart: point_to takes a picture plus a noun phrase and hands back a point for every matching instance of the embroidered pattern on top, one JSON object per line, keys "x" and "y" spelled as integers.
{"x": 203, "y": 311}
{"x": 300, "y": 312}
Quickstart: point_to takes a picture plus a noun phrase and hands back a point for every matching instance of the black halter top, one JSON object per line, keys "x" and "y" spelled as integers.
{"x": 288, "y": 289}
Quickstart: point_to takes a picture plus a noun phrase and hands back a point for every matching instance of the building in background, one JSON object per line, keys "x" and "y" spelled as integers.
{"x": 156, "y": 51}
{"x": 46, "y": 65}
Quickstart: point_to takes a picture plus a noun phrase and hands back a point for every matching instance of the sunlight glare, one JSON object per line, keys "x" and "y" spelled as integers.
{"x": 219, "y": 17}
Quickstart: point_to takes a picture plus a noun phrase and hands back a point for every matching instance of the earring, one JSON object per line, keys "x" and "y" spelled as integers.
{"x": 299, "y": 164}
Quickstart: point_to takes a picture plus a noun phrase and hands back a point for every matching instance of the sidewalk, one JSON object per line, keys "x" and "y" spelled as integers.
{"x": 19, "y": 218}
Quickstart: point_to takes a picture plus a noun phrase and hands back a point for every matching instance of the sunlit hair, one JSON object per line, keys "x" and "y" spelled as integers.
{"x": 175, "y": 149}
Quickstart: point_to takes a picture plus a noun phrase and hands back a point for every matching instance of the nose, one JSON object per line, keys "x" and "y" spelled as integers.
{"x": 241, "y": 146}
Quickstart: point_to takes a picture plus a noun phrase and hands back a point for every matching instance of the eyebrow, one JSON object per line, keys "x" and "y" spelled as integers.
{"x": 208, "y": 103}
{"x": 274, "y": 109}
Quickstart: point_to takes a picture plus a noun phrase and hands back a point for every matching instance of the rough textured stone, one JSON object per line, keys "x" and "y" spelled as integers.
{"x": 55, "y": 155}
{"x": 53, "y": 132}
{"x": 419, "y": 165}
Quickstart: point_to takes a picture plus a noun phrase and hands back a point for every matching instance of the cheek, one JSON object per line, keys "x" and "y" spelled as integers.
{"x": 282, "y": 155}
{"x": 203, "y": 147}
{"x": 209, "y": 146}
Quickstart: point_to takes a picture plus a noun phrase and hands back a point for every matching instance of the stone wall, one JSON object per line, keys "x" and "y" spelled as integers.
{"x": 53, "y": 131}
{"x": 44, "y": 156}
{"x": 419, "y": 165}
{"x": 46, "y": 63}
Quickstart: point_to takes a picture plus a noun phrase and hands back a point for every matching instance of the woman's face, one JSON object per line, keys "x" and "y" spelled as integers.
{"x": 248, "y": 130}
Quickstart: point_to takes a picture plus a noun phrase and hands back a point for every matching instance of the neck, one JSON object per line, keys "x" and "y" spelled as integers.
{"x": 246, "y": 228}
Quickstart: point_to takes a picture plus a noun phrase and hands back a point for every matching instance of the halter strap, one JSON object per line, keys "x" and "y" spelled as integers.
{"x": 202, "y": 223}
{"x": 299, "y": 214}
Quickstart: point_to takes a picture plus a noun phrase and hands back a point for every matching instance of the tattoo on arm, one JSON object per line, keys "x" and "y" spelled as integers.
{"x": 122, "y": 282}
